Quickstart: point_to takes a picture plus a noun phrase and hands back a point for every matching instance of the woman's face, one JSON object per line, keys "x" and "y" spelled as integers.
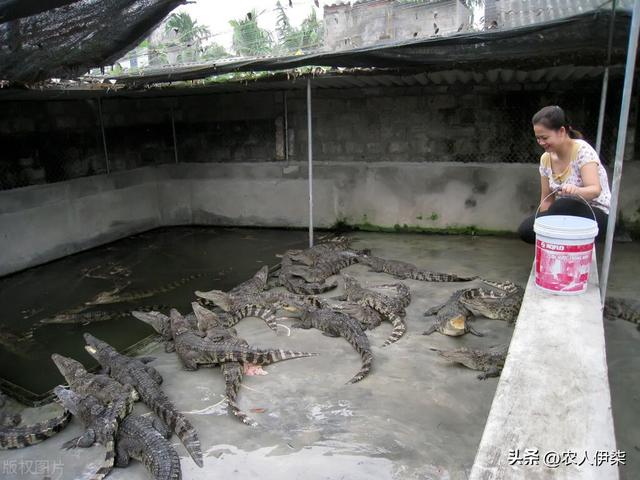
{"x": 549, "y": 139}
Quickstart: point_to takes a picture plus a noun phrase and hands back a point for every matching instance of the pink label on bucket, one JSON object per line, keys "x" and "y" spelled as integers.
{"x": 563, "y": 267}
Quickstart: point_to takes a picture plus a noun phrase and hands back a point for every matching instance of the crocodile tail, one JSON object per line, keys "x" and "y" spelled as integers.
{"x": 109, "y": 461}
{"x": 20, "y": 437}
{"x": 367, "y": 362}
{"x": 399, "y": 328}
{"x": 428, "y": 276}
{"x": 179, "y": 424}
{"x": 167, "y": 287}
{"x": 267, "y": 314}
{"x": 232, "y": 372}
{"x": 267, "y": 357}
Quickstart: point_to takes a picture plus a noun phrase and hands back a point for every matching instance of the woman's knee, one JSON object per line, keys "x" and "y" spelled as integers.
{"x": 525, "y": 230}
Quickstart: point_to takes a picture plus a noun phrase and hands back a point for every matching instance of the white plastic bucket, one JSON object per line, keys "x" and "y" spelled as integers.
{"x": 564, "y": 249}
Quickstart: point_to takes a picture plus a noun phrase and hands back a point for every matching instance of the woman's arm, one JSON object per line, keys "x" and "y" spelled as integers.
{"x": 545, "y": 191}
{"x": 590, "y": 180}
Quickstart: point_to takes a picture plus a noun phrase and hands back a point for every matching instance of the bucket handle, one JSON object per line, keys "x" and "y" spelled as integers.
{"x": 557, "y": 190}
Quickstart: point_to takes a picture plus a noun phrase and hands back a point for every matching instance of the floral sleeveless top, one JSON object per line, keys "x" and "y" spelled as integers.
{"x": 583, "y": 153}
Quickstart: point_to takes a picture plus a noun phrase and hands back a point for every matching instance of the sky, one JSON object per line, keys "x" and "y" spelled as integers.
{"x": 216, "y": 14}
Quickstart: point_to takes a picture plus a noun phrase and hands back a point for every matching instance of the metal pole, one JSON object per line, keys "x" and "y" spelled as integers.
{"x": 286, "y": 128}
{"x": 104, "y": 137}
{"x": 175, "y": 141}
{"x": 605, "y": 81}
{"x": 622, "y": 138}
{"x": 310, "y": 154}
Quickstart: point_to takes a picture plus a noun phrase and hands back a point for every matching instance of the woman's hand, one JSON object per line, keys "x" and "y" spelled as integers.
{"x": 569, "y": 189}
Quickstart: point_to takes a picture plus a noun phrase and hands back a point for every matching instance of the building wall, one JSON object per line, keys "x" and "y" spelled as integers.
{"x": 370, "y": 22}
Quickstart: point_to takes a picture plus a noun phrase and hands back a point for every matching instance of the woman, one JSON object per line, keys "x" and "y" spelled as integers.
{"x": 569, "y": 166}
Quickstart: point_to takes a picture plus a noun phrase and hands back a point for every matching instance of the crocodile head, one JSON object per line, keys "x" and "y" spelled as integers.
{"x": 455, "y": 326}
{"x": 101, "y": 351}
{"x": 497, "y": 305}
{"x": 217, "y": 297}
{"x": 464, "y": 356}
{"x": 69, "y": 368}
{"x": 68, "y": 398}
{"x": 158, "y": 321}
{"x": 179, "y": 324}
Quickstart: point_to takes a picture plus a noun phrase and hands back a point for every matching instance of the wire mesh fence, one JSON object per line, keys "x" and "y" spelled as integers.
{"x": 45, "y": 142}
{"x": 189, "y": 36}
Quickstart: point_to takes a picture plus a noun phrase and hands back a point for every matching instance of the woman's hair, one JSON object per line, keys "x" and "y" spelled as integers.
{"x": 553, "y": 118}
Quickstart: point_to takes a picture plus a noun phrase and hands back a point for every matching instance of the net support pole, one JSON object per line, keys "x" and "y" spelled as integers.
{"x": 175, "y": 140}
{"x": 310, "y": 158}
{"x": 286, "y": 127}
{"x": 622, "y": 138}
{"x": 104, "y": 137}
{"x": 605, "y": 81}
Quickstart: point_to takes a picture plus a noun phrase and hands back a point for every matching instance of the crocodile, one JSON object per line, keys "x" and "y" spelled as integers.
{"x": 195, "y": 350}
{"x": 101, "y": 386}
{"x": 502, "y": 304}
{"x": 232, "y": 372}
{"x": 624, "y": 308}
{"x": 323, "y": 266}
{"x": 138, "y": 439}
{"x": 100, "y": 422}
{"x": 123, "y": 435}
{"x": 207, "y": 325}
{"x": 490, "y": 361}
{"x": 7, "y": 419}
{"x": 85, "y": 318}
{"x": 452, "y": 317}
{"x": 313, "y": 254}
{"x": 367, "y": 316}
{"x": 406, "y": 270}
{"x": 245, "y": 300}
{"x": 391, "y": 307}
{"x": 18, "y": 345}
{"x": 146, "y": 381}
{"x": 15, "y": 436}
{"x": 289, "y": 277}
{"x": 115, "y": 295}
{"x": 337, "y": 324}
{"x": 118, "y": 397}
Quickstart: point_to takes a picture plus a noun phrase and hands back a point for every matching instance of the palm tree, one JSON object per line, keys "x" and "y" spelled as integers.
{"x": 291, "y": 39}
{"x": 187, "y": 36}
{"x": 249, "y": 40}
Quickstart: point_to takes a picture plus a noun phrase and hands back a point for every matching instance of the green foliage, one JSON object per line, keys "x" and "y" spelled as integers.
{"x": 291, "y": 39}
{"x": 249, "y": 40}
{"x": 186, "y": 28}
{"x": 213, "y": 52}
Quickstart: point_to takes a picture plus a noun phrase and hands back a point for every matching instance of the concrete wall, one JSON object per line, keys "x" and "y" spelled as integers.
{"x": 371, "y": 22}
{"x": 44, "y": 222}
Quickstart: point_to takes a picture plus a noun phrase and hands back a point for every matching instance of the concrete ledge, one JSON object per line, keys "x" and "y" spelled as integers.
{"x": 553, "y": 394}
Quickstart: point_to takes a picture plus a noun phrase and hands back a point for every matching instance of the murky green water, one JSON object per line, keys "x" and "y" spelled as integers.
{"x": 223, "y": 257}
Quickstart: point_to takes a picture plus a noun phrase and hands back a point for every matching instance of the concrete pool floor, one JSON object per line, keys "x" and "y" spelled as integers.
{"x": 414, "y": 417}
